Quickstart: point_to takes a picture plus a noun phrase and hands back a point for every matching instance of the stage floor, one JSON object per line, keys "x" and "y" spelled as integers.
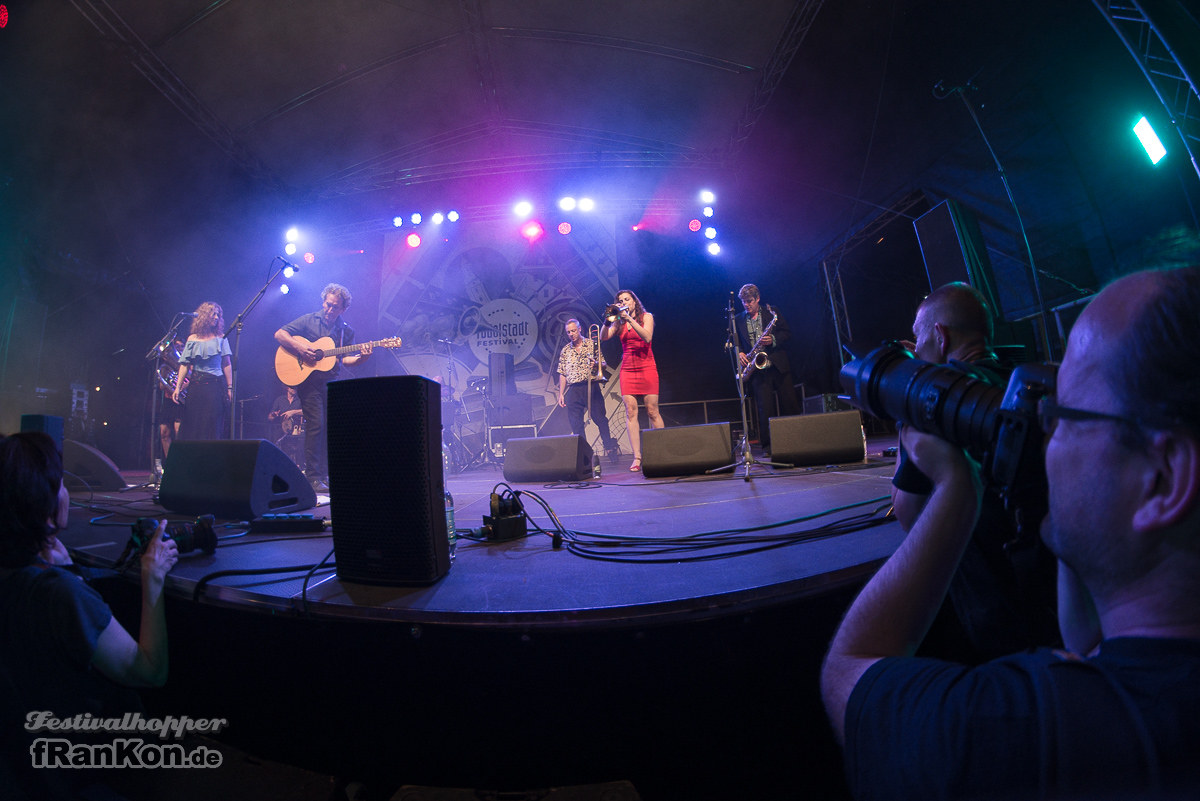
{"x": 644, "y": 549}
{"x": 684, "y": 659}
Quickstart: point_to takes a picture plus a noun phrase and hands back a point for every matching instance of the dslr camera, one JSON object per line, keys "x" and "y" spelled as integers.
{"x": 188, "y": 536}
{"x": 998, "y": 426}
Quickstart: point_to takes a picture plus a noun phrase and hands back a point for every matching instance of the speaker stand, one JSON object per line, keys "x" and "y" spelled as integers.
{"x": 747, "y": 461}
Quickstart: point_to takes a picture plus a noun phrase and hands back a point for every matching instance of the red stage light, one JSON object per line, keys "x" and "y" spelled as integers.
{"x": 532, "y": 231}
{"x": 309, "y": 258}
{"x": 564, "y": 228}
{"x": 694, "y": 225}
{"x": 3, "y": 16}
{"x": 413, "y": 240}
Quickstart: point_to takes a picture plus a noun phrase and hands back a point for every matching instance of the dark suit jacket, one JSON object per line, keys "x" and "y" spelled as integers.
{"x": 777, "y": 350}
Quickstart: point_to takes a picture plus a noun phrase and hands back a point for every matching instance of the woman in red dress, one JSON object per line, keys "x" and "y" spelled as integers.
{"x": 639, "y": 374}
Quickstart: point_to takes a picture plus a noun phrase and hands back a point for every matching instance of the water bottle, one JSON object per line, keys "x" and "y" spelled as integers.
{"x": 451, "y": 535}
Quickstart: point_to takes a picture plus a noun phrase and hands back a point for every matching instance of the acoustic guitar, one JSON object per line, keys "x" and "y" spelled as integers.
{"x": 294, "y": 371}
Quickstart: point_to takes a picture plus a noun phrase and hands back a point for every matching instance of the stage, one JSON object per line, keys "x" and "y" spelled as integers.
{"x": 672, "y": 641}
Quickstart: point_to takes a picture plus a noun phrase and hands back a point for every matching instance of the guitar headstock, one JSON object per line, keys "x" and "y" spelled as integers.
{"x": 390, "y": 342}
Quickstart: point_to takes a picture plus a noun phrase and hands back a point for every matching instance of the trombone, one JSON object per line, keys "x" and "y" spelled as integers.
{"x": 594, "y": 339}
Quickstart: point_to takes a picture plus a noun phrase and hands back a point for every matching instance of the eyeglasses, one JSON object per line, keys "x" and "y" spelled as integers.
{"x": 1049, "y": 413}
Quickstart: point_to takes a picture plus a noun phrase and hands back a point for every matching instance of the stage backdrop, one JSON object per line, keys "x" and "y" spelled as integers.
{"x": 482, "y": 289}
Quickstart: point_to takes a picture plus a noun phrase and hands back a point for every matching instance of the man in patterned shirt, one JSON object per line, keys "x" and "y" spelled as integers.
{"x": 579, "y": 390}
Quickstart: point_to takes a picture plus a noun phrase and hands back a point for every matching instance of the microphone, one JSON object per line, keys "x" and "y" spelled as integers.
{"x": 187, "y": 314}
{"x": 286, "y": 263}
{"x": 445, "y": 342}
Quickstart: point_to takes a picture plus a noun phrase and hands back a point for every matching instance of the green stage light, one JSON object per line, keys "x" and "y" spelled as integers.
{"x": 1149, "y": 139}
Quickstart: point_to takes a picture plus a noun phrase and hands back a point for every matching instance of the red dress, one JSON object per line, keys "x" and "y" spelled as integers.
{"x": 639, "y": 373}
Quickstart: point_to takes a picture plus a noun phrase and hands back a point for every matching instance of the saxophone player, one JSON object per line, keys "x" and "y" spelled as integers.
{"x": 772, "y": 371}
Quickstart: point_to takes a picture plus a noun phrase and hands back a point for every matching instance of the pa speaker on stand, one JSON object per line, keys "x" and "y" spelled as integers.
{"x": 386, "y": 486}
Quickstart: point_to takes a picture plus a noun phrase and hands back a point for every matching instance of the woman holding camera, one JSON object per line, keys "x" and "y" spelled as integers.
{"x": 61, "y": 649}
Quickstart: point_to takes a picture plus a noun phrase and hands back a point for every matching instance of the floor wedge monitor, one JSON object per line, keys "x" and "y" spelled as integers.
{"x": 236, "y": 479}
{"x": 686, "y": 450}
{"x": 386, "y": 480}
{"x": 807, "y": 440}
{"x": 565, "y": 458}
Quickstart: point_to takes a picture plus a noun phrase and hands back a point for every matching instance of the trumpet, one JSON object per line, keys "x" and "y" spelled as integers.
{"x": 613, "y": 313}
{"x": 594, "y": 339}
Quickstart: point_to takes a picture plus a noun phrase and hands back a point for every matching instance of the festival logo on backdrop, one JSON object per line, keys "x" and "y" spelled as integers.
{"x": 488, "y": 291}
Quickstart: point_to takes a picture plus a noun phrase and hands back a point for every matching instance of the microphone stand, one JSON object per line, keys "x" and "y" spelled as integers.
{"x": 154, "y": 355}
{"x": 238, "y": 324}
{"x": 746, "y": 459}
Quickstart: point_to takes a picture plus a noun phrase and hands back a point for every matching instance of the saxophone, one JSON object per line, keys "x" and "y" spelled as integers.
{"x": 757, "y": 356}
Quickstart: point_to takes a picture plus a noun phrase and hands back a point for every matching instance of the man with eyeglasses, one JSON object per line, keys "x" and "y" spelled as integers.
{"x": 1001, "y": 598}
{"x": 1117, "y": 713}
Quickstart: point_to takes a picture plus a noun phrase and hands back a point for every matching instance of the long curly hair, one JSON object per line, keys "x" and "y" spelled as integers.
{"x": 31, "y": 473}
{"x": 209, "y": 318}
{"x": 639, "y": 311}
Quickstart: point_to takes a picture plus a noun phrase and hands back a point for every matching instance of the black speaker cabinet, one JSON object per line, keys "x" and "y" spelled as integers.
{"x": 685, "y": 450}
{"x": 953, "y": 249}
{"x": 86, "y": 466}
{"x": 566, "y": 458}
{"x": 818, "y": 439}
{"x": 236, "y": 479}
{"x": 386, "y": 482}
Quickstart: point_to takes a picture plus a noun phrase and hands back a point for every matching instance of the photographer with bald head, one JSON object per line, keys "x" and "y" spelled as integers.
{"x": 1117, "y": 713}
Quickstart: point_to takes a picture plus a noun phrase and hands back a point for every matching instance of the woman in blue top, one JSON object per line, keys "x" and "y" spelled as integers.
{"x": 206, "y": 370}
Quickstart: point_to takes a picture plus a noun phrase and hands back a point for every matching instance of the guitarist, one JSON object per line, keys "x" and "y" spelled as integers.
{"x": 297, "y": 337}
{"x": 776, "y": 378}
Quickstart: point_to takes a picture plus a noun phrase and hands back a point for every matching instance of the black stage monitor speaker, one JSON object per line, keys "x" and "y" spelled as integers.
{"x": 87, "y": 467}
{"x": 684, "y": 450}
{"x": 566, "y": 458}
{"x": 236, "y": 479}
{"x": 387, "y": 488}
{"x": 818, "y": 439}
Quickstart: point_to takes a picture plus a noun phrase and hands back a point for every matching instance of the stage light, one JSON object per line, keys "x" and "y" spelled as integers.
{"x": 397, "y": 222}
{"x": 564, "y": 228}
{"x": 284, "y": 288}
{"x": 1150, "y": 141}
{"x": 586, "y": 204}
{"x": 290, "y": 248}
{"x": 416, "y": 218}
{"x": 532, "y": 231}
{"x": 707, "y": 196}
{"x": 523, "y": 209}
{"x": 566, "y": 203}
{"x": 710, "y": 233}
{"x": 437, "y": 218}
{"x": 694, "y": 226}
{"x": 452, "y": 216}
{"x": 288, "y": 272}
{"x": 708, "y": 211}
{"x": 714, "y": 248}
{"x": 292, "y": 234}
{"x": 3, "y": 16}
{"x": 309, "y": 258}
{"x": 413, "y": 240}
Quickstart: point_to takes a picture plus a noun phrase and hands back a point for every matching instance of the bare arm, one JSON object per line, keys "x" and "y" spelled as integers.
{"x": 141, "y": 663}
{"x": 892, "y": 614}
{"x": 644, "y": 329}
{"x": 363, "y": 352}
{"x": 296, "y": 345}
